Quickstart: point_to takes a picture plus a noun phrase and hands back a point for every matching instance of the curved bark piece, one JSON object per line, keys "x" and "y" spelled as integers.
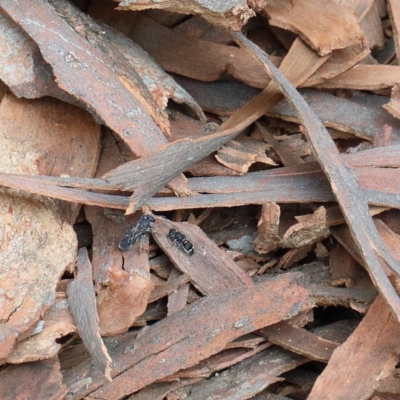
{"x": 333, "y": 26}
{"x": 36, "y": 248}
{"x": 82, "y": 303}
{"x": 165, "y": 347}
{"x": 80, "y": 70}
{"x": 42, "y": 380}
{"x": 369, "y": 355}
{"x": 343, "y": 181}
{"x": 147, "y": 175}
{"x": 207, "y": 261}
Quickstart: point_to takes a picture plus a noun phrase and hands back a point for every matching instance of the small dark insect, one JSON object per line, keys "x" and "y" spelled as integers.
{"x": 176, "y": 236}
{"x": 179, "y": 240}
{"x": 187, "y": 247}
{"x": 142, "y": 226}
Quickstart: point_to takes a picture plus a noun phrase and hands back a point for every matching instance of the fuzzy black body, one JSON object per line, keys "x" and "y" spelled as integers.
{"x": 142, "y": 226}
{"x": 180, "y": 241}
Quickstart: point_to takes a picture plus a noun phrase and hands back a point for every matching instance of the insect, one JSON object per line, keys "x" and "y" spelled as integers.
{"x": 142, "y": 226}
{"x": 179, "y": 240}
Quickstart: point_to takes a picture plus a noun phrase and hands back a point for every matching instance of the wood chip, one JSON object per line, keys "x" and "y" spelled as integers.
{"x": 344, "y": 185}
{"x": 263, "y": 368}
{"x": 132, "y": 123}
{"x": 162, "y": 166}
{"x": 394, "y": 9}
{"x": 37, "y": 247}
{"x": 292, "y": 256}
{"x": 286, "y": 185}
{"x": 177, "y": 300}
{"x": 346, "y": 270}
{"x": 371, "y": 26}
{"x": 340, "y": 61}
{"x": 23, "y": 68}
{"x": 350, "y": 369}
{"x": 393, "y": 107}
{"x": 365, "y": 77}
{"x": 300, "y": 341}
{"x": 286, "y": 156}
{"x": 206, "y": 262}
{"x": 309, "y": 229}
{"x": 391, "y": 240}
{"x": 232, "y": 15}
{"x": 196, "y": 58}
{"x": 236, "y": 321}
{"x": 42, "y": 379}
{"x": 82, "y": 302}
{"x": 51, "y": 123}
{"x": 179, "y": 112}
{"x": 156, "y": 391}
{"x": 268, "y": 237}
{"x": 362, "y": 120}
{"x": 333, "y": 26}
{"x": 240, "y": 155}
{"x": 43, "y": 345}
{"x": 123, "y": 300}
{"x": 172, "y": 285}
{"x": 222, "y": 360}
{"x": 138, "y": 174}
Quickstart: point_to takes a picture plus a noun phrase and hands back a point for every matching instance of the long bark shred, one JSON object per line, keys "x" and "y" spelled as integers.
{"x": 158, "y": 352}
{"x": 148, "y": 174}
{"x": 82, "y": 302}
{"x": 342, "y": 179}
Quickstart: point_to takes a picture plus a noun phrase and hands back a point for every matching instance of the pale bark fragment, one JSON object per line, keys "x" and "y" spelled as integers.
{"x": 333, "y": 26}
{"x": 268, "y": 237}
{"x": 393, "y": 107}
{"x": 232, "y": 14}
